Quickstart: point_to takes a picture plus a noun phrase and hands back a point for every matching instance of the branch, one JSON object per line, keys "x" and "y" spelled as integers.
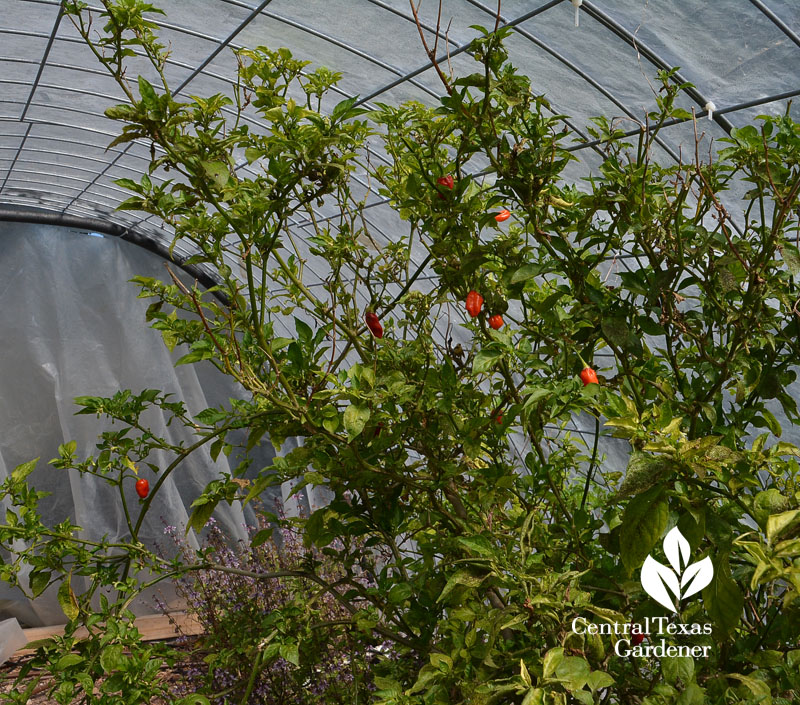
{"x": 432, "y": 54}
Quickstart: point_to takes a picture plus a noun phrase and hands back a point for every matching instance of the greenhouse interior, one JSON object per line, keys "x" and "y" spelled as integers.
{"x": 401, "y": 352}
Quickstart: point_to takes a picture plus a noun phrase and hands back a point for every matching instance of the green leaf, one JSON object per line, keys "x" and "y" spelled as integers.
{"x": 400, "y": 593}
{"x": 615, "y": 331}
{"x": 129, "y": 184}
{"x": 148, "y": 93}
{"x": 525, "y": 272}
{"x": 22, "y": 471}
{"x": 598, "y": 680}
{"x": 218, "y": 172}
{"x": 112, "y": 658}
{"x": 85, "y": 680}
{"x": 693, "y": 695}
{"x": 535, "y": 394}
{"x": 387, "y": 687}
{"x": 426, "y": 674}
{"x": 342, "y": 110}
{"x": 253, "y": 154}
{"x": 768, "y": 502}
{"x": 355, "y": 418}
{"x": 67, "y": 599}
{"x": 290, "y": 653}
{"x": 201, "y": 514}
{"x": 461, "y": 577}
{"x": 68, "y": 660}
{"x": 778, "y": 523}
{"x": 784, "y": 448}
{"x": 193, "y": 699}
{"x": 649, "y": 326}
{"x": 787, "y": 549}
{"x": 551, "y": 660}
{"x": 758, "y": 688}
{"x": 791, "y": 255}
{"x": 643, "y": 523}
{"x": 610, "y": 616}
{"x": 524, "y": 673}
{"x": 170, "y": 339}
{"x": 723, "y": 599}
{"x": 535, "y": 696}
{"x": 772, "y": 422}
{"x": 38, "y": 581}
{"x": 194, "y": 356}
{"x": 758, "y": 443}
{"x": 120, "y": 112}
{"x": 677, "y": 668}
{"x": 304, "y": 331}
{"x": 126, "y": 136}
{"x": 257, "y": 487}
{"x": 486, "y": 359}
{"x": 261, "y": 537}
{"x": 642, "y": 473}
{"x": 477, "y": 544}
{"x": 330, "y": 422}
{"x": 67, "y": 450}
{"x": 441, "y": 662}
{"x": 584, "y": 697}
{"x": 574, "y": 671}
{"x": 699, "y": 447}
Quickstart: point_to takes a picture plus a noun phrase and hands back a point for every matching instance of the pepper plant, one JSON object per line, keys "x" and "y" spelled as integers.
{"x": 491, "y": 533}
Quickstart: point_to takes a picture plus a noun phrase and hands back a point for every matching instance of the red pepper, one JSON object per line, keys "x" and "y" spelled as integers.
{"x": 636, "y": 639}
{"x": 496, "y": 321}
{"x": 499, "y": 417}
{"x": 142, "y": 487}
{"x": 374, "y": 324}
{"x": 474, "y": 303}
{"x": 588, "y": 376}
{"x": 503, "y": 215}
{"x": 446, "y": 181}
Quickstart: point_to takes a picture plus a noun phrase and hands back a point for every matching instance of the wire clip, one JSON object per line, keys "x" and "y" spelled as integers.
{"x": 710, "y": 108}
{"x": 577, "y": 4}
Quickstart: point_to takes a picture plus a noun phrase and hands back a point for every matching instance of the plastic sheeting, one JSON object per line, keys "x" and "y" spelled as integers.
{"x": 743, "y": 55}
{"x": 72, "y": 326}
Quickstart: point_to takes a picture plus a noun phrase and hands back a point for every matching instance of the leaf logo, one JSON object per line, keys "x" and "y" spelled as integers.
{"x": 683, "y": 580}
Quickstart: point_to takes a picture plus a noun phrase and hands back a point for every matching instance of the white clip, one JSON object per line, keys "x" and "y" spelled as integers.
{"x": 710, "y": 108}
{"x": 577, "y": 4}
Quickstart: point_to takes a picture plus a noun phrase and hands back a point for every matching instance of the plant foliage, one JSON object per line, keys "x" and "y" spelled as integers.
{"x": 488, "y": 526}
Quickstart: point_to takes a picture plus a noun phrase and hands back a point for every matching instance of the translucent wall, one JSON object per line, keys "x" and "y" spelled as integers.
{"x": 72, "y": 325}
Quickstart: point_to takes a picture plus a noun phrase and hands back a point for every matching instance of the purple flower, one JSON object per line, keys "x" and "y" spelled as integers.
{"x": 243, "y": 615}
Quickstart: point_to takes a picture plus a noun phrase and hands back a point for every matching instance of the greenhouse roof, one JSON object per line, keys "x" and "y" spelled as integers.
{"x": 743, "y": 56}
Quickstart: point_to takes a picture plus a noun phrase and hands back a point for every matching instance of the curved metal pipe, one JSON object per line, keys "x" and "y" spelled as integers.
{"x": 129, "y": 234}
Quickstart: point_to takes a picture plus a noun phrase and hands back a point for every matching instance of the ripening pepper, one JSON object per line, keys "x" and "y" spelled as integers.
{"x": 496, "y": 321}
{"x": 588, "y": 376}
{"x": 503, "y": 215}
{"x": 374, "y": 324}
{"x": 474, "y": 303}
{"x": 142, "y": 487}
{"x": 446, "y": 181}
